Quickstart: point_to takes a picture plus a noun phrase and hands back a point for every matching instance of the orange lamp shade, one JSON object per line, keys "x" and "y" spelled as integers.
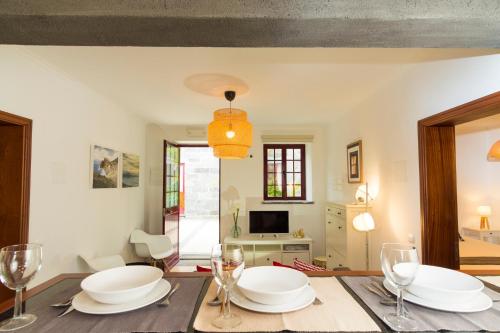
{"x": 494, "y": 153}
{"x": 230, "y": 134}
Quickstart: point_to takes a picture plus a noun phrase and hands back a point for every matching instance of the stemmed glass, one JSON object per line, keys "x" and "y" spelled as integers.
{"x": 18, "y": 265}
{"x": 227, "y": 265}
{"x": 400, "y": 266}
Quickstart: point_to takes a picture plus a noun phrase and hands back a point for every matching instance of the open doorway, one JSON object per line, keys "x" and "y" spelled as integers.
{"x": 438, "y": 178}
{"x": 199, "y": 196}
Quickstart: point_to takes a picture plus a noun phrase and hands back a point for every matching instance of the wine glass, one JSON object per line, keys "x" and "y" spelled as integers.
{"x": 18, "y": 265}
{"x": 400, "y": 266}
{"x": 227, "y": 265}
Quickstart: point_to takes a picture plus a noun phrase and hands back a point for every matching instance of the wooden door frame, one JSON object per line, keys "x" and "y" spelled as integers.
{"x": 26, "y": 125}
{"x": 437, "y": 163}
{"x": 172, "y": 260}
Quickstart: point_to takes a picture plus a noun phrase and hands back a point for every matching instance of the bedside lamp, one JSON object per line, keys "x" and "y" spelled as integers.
{"x": 484, "y": 212}
{"x": 364, "y": 222}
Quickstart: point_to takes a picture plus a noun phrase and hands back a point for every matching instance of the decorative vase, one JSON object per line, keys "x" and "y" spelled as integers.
{"x": 236, "y": 230}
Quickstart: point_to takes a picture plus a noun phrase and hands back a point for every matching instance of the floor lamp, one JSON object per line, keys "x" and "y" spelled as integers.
{"x": 364, "y": 222}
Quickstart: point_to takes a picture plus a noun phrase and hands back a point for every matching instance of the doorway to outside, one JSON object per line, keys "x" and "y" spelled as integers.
{"x": 199, "y": 193}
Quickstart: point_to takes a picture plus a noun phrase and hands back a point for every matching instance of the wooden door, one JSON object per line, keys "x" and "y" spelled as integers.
{"x": 439, "y": 197}
{"x": 171, "y": 204}
{"x": 15, "y": 153}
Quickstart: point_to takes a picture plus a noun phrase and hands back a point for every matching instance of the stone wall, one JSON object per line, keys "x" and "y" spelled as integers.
{"x": 201, "y": 182}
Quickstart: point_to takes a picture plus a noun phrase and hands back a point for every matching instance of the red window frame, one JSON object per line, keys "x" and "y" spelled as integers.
{"x": 284, "y": 172}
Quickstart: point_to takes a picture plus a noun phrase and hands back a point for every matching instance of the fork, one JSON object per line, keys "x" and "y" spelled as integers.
{"x": 166, "y": 301}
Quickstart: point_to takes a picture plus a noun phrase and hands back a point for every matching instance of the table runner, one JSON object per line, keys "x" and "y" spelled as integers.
{"x": 175, "y": 318}
{"x": 338, "y": 313}
{"x": 428, "y": 319}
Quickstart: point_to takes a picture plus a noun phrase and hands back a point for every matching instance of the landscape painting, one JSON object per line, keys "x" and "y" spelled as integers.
{"x": 130, "y": 173}
{"x": 104, "y": 167}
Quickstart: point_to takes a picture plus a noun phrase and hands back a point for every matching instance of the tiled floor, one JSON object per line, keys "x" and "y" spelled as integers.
{"x": 197, "y": 236}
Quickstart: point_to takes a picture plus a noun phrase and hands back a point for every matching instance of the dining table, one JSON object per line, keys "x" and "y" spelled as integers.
{"x": 185, "y": 306}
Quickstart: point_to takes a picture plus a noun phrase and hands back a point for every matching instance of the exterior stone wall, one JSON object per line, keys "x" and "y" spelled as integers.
{"x": 201, "y": 186}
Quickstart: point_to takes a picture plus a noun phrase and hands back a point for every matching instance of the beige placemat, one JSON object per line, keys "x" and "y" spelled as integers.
{"x": 338, "y": 313}
{"x": 494, "y": 280}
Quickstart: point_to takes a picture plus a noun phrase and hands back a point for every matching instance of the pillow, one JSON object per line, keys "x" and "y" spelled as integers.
{"x": 275, "y": 263}
{"x": 303, "y": 266}
{"x": 203, "y": 269}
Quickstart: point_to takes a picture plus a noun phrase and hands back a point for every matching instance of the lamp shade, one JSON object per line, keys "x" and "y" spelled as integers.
{"x": 230, "y": 134}
{"x": 484, "y": 210}
{"x": 361, "y": 194}
{"x": 494, "y": 153}
{"x": 363, "y": 222}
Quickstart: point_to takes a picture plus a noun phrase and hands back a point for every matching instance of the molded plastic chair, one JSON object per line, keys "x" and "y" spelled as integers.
{"x": 101, "y": 263}
{"x": 151, "y": 246}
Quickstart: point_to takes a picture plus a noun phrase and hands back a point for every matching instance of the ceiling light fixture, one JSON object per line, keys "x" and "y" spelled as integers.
{"x": 230, "y": 133}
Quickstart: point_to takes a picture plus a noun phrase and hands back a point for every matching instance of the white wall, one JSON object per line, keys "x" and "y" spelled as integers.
{"x": 246, "y": 177}
{"x": 387, "y": 124}
{"x": 478, "y": 181}
{"x": 66, "y": 215}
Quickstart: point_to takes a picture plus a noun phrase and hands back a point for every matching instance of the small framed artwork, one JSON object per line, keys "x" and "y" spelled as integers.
{"x": 130, "y": 170}
{"x": 105, "y": 162}
{"x": 355, "y": 162}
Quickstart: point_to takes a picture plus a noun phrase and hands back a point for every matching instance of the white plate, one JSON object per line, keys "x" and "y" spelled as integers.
{"x": 478, "y": 303}
{"x": 121, "y": 284}
{"x": 303, "y": 300}
{"x": 84, "y": 303}
{"x": 438, "y": 283}
{"x": 272, "y": 285}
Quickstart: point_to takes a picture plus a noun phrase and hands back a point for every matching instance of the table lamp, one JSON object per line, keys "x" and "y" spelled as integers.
{"x": 364, "y": 222}
{"x": 484, "y": 212}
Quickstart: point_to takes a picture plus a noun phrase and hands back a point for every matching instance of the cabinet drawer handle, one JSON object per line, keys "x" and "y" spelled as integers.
{"x": 267, "y": 259}
{"x": 329, "y": 256}
{"x": 329, "y": 222}
{"x": 340, "y": 228}
{"x": 339, "y": 213}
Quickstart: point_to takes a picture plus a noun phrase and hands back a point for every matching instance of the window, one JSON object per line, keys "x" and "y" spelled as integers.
{"x": 284, "y": 172}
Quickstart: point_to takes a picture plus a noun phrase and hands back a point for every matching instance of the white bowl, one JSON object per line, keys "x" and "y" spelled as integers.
{"x": 272, "y": 285}
{"x": 121, "y": 284}
{"x": 444, "y": 285}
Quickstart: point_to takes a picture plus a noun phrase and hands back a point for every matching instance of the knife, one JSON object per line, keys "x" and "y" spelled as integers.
{"x": 65, "y": 312}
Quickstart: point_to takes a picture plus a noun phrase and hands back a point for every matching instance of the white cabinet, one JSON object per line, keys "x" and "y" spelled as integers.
{"x": 491, "y": 236}
{"x": 263, "y": 251}
{"x": 345, "y": 246}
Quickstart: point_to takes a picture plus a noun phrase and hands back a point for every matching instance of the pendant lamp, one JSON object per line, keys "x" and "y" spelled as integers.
{"x": 230, "y": 133}
{"x": 494, "y": 153}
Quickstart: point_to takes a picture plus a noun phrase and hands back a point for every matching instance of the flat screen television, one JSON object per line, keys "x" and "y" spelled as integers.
{"x": 268, "y": 222}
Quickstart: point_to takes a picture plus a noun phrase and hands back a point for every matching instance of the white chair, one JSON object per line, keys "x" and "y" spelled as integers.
{"x": 151, "y": 246}
{"x": 101, "y": 263}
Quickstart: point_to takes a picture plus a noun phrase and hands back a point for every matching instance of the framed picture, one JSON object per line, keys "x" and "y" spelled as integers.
{"x": 105, "y": 162}
{"x": 130, "y": 170}
{"x": 355, "y": 162}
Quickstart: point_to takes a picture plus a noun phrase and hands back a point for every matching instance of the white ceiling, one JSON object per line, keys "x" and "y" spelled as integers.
{"x": 286, "y": 86}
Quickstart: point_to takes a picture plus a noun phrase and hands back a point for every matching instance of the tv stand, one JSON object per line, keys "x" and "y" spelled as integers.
{"x": 262, "y": 250}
